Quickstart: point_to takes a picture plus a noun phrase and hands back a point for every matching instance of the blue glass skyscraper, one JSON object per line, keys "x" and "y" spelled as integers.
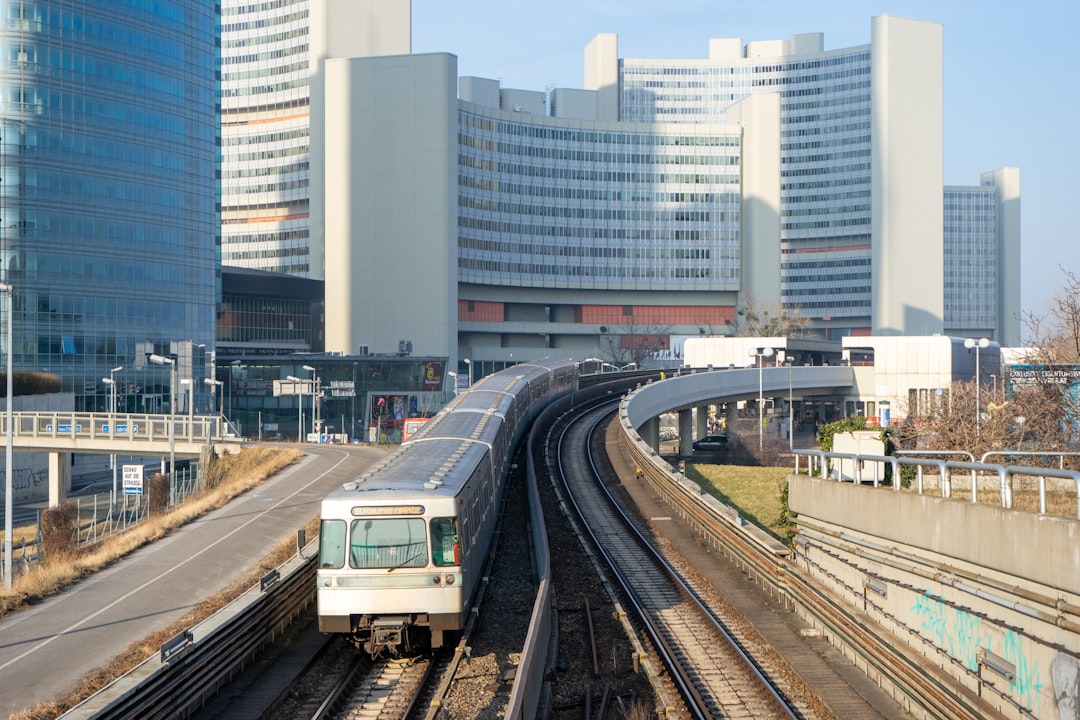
{"x": 110, "y": 219}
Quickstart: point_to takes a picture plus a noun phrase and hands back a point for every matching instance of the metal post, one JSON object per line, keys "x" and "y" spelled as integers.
{"x": 314, "y": 393}
{"x": 790, "y": 409}
{"x": 112, "y": 425}
{"x": 171, "y": 362}
{"x": 760, "y": 353}
{"x": 10, "y": 444}
{"x": 978, "y": 345}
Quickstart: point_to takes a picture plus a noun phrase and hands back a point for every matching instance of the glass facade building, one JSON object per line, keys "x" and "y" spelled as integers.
{"x": 825, "y": 156}
{"x": 562, "y": 207}
{"x": 971, "y": 257}
{"x": 110, "y": 234}
{"x": 264, "y": 134}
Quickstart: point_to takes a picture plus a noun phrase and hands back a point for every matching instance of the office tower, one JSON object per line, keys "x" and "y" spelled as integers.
{"x": 110, "y": 237}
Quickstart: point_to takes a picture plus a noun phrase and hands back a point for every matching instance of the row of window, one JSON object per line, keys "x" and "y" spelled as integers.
{"x": 542, "y": 249}
{"x": 630, "y": 272}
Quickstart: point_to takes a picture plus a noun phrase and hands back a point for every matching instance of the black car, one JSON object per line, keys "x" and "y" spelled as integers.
{"x": 711, "y": 442}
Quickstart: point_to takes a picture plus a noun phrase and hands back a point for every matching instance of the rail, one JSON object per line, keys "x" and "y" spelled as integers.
{"x": 817, "y": 462}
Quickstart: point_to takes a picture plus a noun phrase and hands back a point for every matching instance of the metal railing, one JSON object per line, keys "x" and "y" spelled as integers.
{"x": 818, "y": 462}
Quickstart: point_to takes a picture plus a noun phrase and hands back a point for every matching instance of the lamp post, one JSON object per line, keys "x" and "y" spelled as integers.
{"x": 314, "y": 395}
{"x": 978, "y": 345}
{"x": 191, "y": 397}
{"x": 352, "y": 428}
{"x": 160, "y": 360}
{"x": 8, "y": 510}
{"x": 111, "y": 382}
{"x": 761, "y": 353}
{"x": 790, "y": 361}
{"x": 453, "y": 378}
{"x": 469, "y": 363}
{"x": 300, "y": 408}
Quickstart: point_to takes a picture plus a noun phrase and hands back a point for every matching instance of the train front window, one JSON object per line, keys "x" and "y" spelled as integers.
{"x": 332, "y": 544}
{"x": 445, "y": 544}
{"x": 389, "y": 543}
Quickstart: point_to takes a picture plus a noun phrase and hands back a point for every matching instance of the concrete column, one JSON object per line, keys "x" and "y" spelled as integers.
{"x": 650, "y": 433}
{"x": 686, "y": 429}
{"x": 59, "y": 477}
{"x": 731, "y": 412}
{"x": 701, "y": 421}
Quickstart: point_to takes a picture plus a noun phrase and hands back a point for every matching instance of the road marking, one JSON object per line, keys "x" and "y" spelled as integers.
{"x": 65, "y": 631}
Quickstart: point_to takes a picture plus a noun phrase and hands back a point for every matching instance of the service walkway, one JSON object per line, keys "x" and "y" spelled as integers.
{"x": 46, "y": 648}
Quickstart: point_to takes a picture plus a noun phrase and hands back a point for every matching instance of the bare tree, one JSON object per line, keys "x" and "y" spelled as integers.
{"x": 632, "y": 342}
{"x": 1054, "y": 336}
{"x": 752, "y": 320}
{"x": 1038, "y": 417}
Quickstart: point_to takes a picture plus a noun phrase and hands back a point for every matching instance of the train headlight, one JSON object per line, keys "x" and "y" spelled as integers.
{"x": 436, "y": 580}
{"x": 328, "y": 582}
{"x": 449, "y": 579}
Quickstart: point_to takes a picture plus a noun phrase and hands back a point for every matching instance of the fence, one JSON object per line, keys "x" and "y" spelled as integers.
{"x": 99, "y": 518}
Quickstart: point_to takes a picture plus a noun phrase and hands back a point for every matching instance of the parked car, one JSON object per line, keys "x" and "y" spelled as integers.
{"x": 711, "y": 442}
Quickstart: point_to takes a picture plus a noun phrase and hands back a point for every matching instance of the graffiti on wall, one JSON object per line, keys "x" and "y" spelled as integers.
{"x": 963, "y": 634}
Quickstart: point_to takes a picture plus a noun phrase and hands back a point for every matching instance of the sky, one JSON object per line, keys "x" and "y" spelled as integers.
{"x": 1012, "y": 79}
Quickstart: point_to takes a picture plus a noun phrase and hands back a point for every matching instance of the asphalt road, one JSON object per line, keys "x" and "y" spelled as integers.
{"x": 45, "y": 649}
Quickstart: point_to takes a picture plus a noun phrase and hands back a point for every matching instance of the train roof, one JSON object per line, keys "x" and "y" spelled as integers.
{"x": 438, "y": 466}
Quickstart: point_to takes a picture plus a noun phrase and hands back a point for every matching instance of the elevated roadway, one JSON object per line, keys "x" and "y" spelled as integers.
{"x": 698, "y": 388}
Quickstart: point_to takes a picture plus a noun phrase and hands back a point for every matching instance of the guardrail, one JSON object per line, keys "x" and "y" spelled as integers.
{"x": 817, "y": 462}
{"x": 192, "y": 665}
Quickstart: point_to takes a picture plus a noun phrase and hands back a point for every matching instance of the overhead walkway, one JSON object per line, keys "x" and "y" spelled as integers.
{"x": 699, "y": 388}
{"x": 63, "y": 433}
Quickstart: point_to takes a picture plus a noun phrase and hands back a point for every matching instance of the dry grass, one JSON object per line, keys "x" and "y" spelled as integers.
{"x": 235, "y": 474}
{"x": 242, "y": 471}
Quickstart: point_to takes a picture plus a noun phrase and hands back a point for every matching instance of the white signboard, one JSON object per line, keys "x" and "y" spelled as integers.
{"x": 133, "y": 479}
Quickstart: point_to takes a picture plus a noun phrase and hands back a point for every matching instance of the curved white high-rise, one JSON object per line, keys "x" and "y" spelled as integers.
{"x": 265, "y": 136}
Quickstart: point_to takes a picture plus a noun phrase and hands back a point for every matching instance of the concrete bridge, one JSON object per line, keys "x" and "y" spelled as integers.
{"x": 62, "y": 433}
{"x": 700, "y": 388}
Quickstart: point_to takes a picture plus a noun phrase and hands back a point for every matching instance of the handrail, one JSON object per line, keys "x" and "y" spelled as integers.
{"x": 1042, "y": 474}
{"x": 945, "y": 468}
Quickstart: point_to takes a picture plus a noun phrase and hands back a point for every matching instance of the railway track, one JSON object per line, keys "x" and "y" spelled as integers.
{"x": 714, "y": 673}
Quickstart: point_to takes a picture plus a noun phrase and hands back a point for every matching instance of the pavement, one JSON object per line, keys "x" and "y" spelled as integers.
{"x": 45, "y": 649}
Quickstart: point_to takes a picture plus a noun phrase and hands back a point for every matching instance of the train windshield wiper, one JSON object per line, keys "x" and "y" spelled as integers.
{"x": 405, "y": 562}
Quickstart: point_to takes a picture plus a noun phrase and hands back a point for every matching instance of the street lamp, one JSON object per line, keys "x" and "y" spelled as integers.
{"x": 191, "y": 398}
{"x": 790, "y": 361}
{"x": 160, "y": 360}
{"x": 469, "y": 363}
{"x": 760, "y": 353}
{"x": 214, "y": 385}
{"x": 232, "y": 367}
{"x": 300, "y": 408}
{"x": 314, "y": 394}
{"x": 111, "y": 382}
{"x": 453, "y": 378}
{"x": 352, "y": 428}
{"x": 978, "y": 345}
{"x": 8, "y": 510}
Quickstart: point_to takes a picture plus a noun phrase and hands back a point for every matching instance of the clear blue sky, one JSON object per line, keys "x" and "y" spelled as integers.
{"x": 1012, "y": 87}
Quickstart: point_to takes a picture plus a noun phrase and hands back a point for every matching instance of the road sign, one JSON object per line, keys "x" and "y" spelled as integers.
{"x": 133, "y": 479}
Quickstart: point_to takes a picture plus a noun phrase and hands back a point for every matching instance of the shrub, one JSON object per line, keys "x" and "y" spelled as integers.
{"x": 59, "y": 531}
{"x": 157, "y": 498}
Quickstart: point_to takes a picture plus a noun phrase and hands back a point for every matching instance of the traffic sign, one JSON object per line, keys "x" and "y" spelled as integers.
{"x": 133, "y": 479}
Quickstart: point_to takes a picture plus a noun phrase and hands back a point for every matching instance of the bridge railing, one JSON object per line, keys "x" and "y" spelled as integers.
{"x": 115, "y": 426}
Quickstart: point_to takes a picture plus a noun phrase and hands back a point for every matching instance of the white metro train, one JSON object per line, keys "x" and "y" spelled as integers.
{"x": 402, "y": 547}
